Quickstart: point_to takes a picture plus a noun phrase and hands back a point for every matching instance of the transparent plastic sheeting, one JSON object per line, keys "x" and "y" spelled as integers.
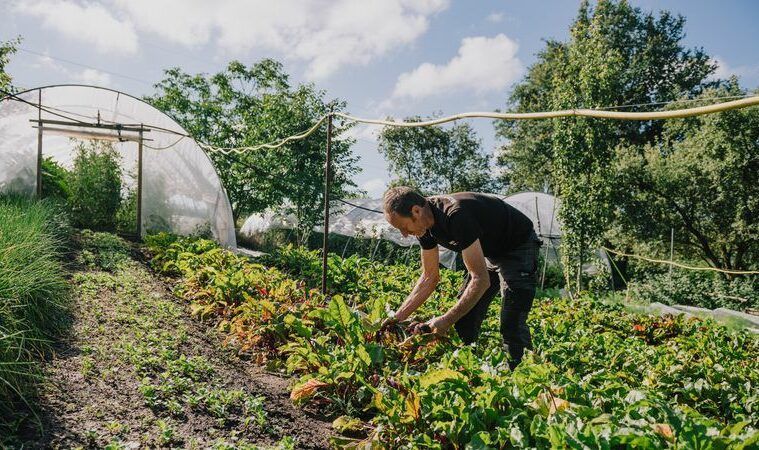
{"x": 181, "y": 190}
{"x": 347, "y": 220}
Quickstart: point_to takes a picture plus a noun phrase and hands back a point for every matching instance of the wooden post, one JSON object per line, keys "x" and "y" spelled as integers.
{"x": 139, "y": 186}
{"x": 39, "y": 144}
{"x": 327, "y": 176}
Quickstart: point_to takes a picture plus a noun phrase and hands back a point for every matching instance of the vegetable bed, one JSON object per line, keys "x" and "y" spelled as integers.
{"x": 600, "y": 376}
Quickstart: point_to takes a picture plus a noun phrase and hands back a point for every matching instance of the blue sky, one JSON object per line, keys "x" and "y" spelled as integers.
{"x": 384, "y": 57}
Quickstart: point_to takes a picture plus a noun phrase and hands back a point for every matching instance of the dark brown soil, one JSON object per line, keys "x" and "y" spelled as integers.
{"x": 91, "y": 397}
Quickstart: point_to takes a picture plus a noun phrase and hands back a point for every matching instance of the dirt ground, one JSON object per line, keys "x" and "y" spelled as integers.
{"x": 136, "y": 371}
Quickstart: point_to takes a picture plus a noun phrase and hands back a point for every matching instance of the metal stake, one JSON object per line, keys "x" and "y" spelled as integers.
{"x": 327, "y": 176}
{"x": 139, "y": 187}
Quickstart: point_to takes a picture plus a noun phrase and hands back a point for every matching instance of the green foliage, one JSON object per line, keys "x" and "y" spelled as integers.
{"x": 704, "y": 289}
{"x": 653, "y": 67}
{"x": 244, "y": 106}
{"x": 126, "y": 216}
{"x": 33, "y": 297}
{"x": 102, "y": 251}
{"x": 6, "y": 50}
{"x": 553, "y": 275}
{"x": 54, "y": 180}
{"x": 700, "y": 178}
{"x": 95, "y": 186}
{"x": 526, "y": 160}
{"x": 436, "y": 159}
{"x": 600, "y": 377}
{"x": 616, "y": 55}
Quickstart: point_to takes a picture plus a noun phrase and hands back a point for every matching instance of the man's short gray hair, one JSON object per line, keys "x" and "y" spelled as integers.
{"x": 401, "y": 199}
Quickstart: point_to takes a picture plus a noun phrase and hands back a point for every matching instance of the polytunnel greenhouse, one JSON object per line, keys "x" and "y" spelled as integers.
{"x": 178, "y": 189}
{"x": 362, "y": 218}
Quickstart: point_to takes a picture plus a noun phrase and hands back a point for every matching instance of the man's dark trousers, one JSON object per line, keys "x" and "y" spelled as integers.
{"x": 516, "y": 274}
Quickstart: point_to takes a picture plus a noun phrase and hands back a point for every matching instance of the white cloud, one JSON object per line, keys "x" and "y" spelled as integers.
{"x": 725, "y": 71}
{"x": 375, "y": 187}
{"x": 482, "y": 64}
{"x": 722, "y": 69}
{"x": 495, "y": 17}
{"x": 94, "y": 77}
{"x": 327, "y": 35}
{"x": 363, "y": 132}
{"x": 89, "y": 23}
{"x": 46, "y": 62}
{"x": 86, "y": 76}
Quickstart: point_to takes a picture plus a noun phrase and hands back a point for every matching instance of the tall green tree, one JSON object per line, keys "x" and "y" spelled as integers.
{"x": 246, "y": 106}
{"x": 436, "y": 159}
{"x": 6, "y": 50}
{"x": 701, "y": 179}
{"x": 656, "y": 67}
{"x": 616, "y": 55}
{"x": 526, "y": 159}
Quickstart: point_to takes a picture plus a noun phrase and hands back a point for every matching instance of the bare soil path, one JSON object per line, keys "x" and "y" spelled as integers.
{"x": 137, "y": 372}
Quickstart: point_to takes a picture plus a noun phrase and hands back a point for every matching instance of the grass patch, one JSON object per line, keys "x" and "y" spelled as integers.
{"x": 34, "y": 236}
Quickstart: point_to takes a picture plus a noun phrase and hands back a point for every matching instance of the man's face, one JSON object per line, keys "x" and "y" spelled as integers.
{"x": 413, "y": 225}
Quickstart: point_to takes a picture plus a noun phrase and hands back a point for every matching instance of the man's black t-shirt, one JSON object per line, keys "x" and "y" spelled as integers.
{"x": 464, "y": 217}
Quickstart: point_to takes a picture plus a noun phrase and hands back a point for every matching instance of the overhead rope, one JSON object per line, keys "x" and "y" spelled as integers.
{"x": 359, "y": 206}
{"x": 594, "y": 113}
{"x": 683, "y": 266}
{"x": 601, "y": 113}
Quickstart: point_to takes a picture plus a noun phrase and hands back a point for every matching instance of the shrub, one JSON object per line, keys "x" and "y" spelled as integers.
{"x": 54, "y": 180}
{"x": 126, "y": 216}
{"x": 704, "y": 289}
{"x": 95, "y": 186}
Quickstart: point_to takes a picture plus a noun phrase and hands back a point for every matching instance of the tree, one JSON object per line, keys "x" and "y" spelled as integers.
{"x": 436, "y": 159}
{"x": 700, "y": 178}
{"x": 246, "y": 106}
{"x": 6, "y": 50}
{"x": 616, "y": 55}
{"x": 526, "y": 158}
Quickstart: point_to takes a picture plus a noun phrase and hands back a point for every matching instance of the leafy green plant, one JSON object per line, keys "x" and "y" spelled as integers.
{"x": 54, "y": 180}
{"x": 126, "y": 215}
{"x": 600, "y": 376}
{"x": 102, "y": 251}
{"x": 95, "y": 186}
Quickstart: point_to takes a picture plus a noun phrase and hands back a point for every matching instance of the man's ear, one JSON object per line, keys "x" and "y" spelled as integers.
{"x": 416, "y": 211}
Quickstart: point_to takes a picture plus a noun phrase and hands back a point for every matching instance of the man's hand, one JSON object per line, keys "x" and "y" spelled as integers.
{"x": 387, "y": 324}
{"x": 438, "y": 326}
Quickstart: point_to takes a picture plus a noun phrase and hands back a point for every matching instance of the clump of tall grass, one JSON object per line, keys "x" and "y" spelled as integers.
{"x": 34, "y": 237}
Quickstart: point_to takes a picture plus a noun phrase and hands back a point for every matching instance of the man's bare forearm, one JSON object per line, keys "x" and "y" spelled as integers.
{"x": 424, "y": 287}
{"x": 472, "y": 294}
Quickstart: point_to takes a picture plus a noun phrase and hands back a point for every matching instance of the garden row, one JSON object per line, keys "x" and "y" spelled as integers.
{"x": 600, "y": 376}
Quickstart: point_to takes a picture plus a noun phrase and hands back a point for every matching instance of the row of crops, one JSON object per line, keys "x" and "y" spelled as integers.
{"x": 600, "y": 376}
